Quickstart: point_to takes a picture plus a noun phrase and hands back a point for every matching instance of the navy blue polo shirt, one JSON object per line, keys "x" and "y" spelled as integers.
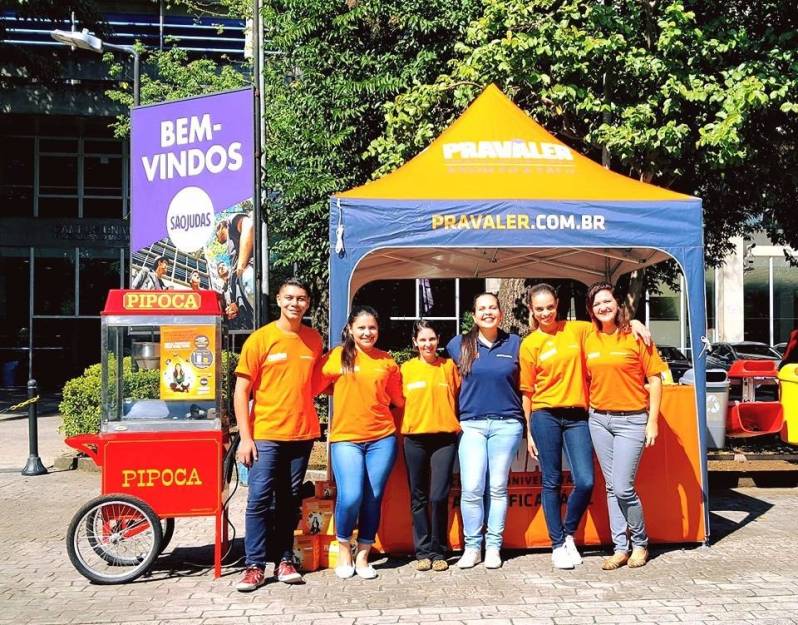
{"x": 490, "y": 391}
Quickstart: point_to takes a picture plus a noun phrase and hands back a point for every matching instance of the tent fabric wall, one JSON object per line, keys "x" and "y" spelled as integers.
{"x": 506, "y": 208}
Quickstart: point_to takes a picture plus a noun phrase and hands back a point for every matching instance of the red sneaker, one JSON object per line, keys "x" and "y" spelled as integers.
{"x": 254, "y": 577}
{"x": 287, "y": 573}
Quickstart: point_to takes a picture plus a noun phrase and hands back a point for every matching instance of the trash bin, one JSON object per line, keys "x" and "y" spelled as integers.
{"x": 788, "y": 396}
{"x": 717, "y": 404}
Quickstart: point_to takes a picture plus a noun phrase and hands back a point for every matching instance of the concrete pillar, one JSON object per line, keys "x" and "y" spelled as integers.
{"x": 731, "y": 313}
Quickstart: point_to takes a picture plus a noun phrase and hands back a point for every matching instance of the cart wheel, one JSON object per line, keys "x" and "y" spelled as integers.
{"x": 114, "y": 539}
{"x": 167, "y": 530}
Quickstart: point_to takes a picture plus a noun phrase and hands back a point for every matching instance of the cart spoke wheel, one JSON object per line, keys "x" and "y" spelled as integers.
{"x": 114, "y": 539}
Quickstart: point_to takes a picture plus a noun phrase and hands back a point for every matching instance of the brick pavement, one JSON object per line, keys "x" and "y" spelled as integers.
{"x": 750, "y": 575}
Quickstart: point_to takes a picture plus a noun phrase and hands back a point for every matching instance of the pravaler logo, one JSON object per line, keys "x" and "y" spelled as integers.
{"x": 156, "y": 300}
{"x": 145, "y": 478}
{"x": 515, "y": 150}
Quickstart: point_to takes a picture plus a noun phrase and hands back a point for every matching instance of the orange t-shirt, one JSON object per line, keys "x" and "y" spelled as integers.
{"x": 618, "y": 365}
{"x": 362, "y": 398}
{"x": 283, "y": 369}
{"x": 430, "y": 396}
{"x": 553, "y": 366}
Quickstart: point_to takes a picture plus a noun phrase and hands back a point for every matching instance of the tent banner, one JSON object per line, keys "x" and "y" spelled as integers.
{"x": 516, "y": 222}
{"x": 192, "y": 184}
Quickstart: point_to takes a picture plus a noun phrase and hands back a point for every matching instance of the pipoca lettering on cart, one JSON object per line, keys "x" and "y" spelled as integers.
{"x": 155, "y": 301}
{"x": 145, "y": 478}
{"x": 191, "y": 161}
{"x": 518, "y": 221}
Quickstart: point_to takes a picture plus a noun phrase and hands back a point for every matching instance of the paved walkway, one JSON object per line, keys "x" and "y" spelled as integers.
{"x": 749, "y": 575}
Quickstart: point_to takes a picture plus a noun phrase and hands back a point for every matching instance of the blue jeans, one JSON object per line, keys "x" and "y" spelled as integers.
{"x": 555, "y": 429}
{"x": 486, "y": 451}
{"x": 361, "y": 471}
{"x": 274, "y": 500}
{"x": 619, "y": 441}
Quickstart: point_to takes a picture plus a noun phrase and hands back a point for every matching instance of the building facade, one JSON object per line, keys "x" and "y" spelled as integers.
{"x": 64, "y": 180}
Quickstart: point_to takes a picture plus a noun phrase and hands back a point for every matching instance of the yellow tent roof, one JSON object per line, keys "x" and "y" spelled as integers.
{"x": 496, "y": 151}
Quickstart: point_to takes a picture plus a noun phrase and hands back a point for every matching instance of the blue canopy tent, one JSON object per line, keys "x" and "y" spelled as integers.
{"x": 497, "y": 196}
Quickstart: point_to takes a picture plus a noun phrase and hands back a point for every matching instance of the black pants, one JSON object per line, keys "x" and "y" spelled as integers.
{"x": 429, "y": 459}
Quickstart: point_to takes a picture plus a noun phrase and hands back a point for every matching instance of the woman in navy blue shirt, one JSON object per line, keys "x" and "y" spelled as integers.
{"x": 492, "y": 421}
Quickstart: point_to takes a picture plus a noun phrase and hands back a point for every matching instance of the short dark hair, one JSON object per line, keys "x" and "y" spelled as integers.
{"x": 223, "y": 223}
{"x": 159, "y": 260}
{"x": 294, "y": 281}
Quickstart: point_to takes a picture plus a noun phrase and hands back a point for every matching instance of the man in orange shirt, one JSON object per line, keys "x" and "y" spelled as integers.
{"x": 278, "y": 368}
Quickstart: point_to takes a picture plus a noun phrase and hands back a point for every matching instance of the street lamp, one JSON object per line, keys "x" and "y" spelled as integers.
{"x": 86, "y": 41}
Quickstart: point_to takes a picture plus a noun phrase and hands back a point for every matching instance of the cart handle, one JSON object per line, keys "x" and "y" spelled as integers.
{"x": 89, "y": 444}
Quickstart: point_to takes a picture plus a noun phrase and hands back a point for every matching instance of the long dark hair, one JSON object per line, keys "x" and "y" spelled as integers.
{"x": 541, "y": 287}
{"x": 468, "y": 347}
{"x": 621, "y": 316}
{"x": 349, "y": 351}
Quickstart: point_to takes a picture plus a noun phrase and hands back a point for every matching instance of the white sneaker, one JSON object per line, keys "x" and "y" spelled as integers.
{"x": 573, "y": 552}
{"x": 469, "y": 559}
{"x": 561, "y": 559}
{"x": 493, "y": 559}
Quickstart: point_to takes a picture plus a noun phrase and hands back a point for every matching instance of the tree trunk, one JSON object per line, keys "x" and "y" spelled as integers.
{"x": 512, "y": 299}
{"x": 636, "y": 291}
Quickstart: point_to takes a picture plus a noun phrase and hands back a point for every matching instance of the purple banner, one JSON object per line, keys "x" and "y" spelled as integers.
{"x": 192, "y": 179}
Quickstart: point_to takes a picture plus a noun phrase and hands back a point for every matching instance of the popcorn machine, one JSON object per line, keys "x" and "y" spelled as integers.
{"x": 163, "y": 447}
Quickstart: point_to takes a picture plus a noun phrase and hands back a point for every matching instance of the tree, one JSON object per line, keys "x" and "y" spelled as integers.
{"x": 699, "y": 97}
{"x": 337, "y": 67}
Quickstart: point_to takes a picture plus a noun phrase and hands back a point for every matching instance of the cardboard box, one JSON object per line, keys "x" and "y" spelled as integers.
{"x": 328, "y": 551}
{"x": 307, "y": 552}
{"x": 317, "y": 516}
{"x": 325, "y": 489}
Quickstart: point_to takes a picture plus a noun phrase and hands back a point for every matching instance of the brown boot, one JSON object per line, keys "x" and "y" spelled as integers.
{"x": 615, "y": 561}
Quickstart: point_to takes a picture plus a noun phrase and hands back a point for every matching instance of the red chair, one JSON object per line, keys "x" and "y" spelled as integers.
{"x": 749, "y": 417}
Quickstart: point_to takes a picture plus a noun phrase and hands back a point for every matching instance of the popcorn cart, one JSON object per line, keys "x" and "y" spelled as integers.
{"x": 163, "y": 446}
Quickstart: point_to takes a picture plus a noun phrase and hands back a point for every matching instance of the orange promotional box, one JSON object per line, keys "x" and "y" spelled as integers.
{"x": 306, "y": 552}
{"x": 317, "y": 516}
{"x": 325, "y": 489}
{"x": 328, "y": 550}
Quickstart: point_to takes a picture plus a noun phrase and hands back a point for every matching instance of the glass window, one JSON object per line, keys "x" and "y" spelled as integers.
{"x": 97, "y": 146}
{"x": 663, "y": 315}
{"x": 102, "y": 175}
{"x": 99, "y": 272}
{"x": 58, "y": 207}
{"x": 391, "y": 298}
{"x": 54, "y": 280}
{"x": 58, "y": 175}
{"x": 16, "y": 177}
{"x": 436, "y": 298}
{"x": 66, "y": 146}
{"x": 102, "y": 207}
{"x": 756, "y": 296}
{"x": 14, "y": 329}
{"x": 785, "y": 299}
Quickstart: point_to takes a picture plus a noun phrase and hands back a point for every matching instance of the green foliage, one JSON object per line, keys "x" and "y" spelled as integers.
{"x": 401, "y": 356}
{"x": 324, "y": 95}
{"x": 169, "y": 75}
{"x": 699, "y": 97}
{"x": 81, "y": 407}
{"x": 467, "y": 322}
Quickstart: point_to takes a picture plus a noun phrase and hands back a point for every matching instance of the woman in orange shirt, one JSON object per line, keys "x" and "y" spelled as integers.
{"x": 363, "y": 435}
{"x": 623, "y": 417}
{"x": 430, "y": 427}
{"x": 554, "y": 386}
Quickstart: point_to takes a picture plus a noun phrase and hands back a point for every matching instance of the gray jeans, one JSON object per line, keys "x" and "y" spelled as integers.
{"x": 619, "y": 441}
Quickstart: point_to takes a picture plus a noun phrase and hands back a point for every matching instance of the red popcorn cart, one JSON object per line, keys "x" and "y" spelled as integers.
{"x": 163, "y": 446}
